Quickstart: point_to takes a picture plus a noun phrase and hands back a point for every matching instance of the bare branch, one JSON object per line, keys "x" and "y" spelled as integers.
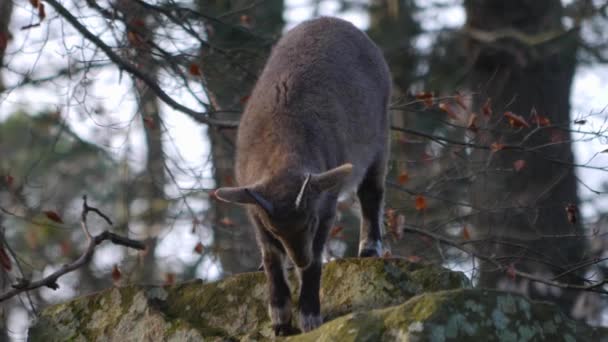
{"x": 201, "y": 117}
{"x": 593, "y": 287}
{"x": 50, "y": 281}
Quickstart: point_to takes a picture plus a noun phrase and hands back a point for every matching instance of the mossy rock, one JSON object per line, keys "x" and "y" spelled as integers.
{"x": 235, "y": 308}
{"x": 458, "y": 315}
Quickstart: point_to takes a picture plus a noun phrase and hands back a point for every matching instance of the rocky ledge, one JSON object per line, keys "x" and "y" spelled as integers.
{"x": 362, "y": 300}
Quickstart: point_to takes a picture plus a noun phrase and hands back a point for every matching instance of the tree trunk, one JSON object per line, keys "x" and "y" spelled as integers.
{"x": 523, "y": 60}
{"x": 393, "y": 27}
{"x": 6, "y": 9}
{"x": 239, "y": 44}
{"x": 153, "y": 182}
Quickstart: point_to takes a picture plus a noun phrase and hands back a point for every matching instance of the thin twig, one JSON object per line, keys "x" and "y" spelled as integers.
{"x": 50, "y": 281}
{"x": 140, "y": 74}
{"x": 593, "y": 287}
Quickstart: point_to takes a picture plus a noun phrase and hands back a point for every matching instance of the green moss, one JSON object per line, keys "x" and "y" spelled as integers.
{"x": 458, "y": 315}
{"x": 178, "y": 327}
{"x": 363, "y": 300}
{"x": 425, "y": 306}
{"x": 374, "y": 283}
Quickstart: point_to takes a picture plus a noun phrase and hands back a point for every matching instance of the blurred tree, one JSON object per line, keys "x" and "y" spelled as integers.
{"x": 524, "y": 60}
{"x": 50, "y": 168}
{"x": 240, "y": 36}
{"x": 394, "y": 28}
{"x": 140, "y": 37}
{"x": 6, "y": 10}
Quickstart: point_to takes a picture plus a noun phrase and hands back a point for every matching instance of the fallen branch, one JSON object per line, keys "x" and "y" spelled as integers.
{"x": 50, "y": 281}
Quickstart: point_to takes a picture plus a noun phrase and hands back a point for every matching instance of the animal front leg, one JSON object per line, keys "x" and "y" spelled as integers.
{"x": 273, "y": 257}
{"x": 279, "y": 307}
{"x": 310, "y": 278}
{"x": 309, "y": 302}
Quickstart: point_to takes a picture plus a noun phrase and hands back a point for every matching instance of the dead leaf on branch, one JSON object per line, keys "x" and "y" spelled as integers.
{"x": 116, "y": 274}
{"x": 518, "y": 165}
{"x": 41, "y": 12}
{"x": 5, "y": 260}
{"x": 420, "y": 203}
{"x": 198, "y": 249}
{"x": 460, "y": 101}
{"x": 149, "y": 122}
{"x": 403, "y": 177}
{"x": 395, "y": 223}
{"x": 449, "y": 110}
{"x": 516, "y": 121}
{"x": 335, "y": 231}
{"x": 571, "y": 213}
{"x": 486, "y": 109}
{"x": 227, "y": 222}
{"x": 4, "y": 38}
{"x": 472, "y": 124}
{"x": 495, "y": 147}
{"x": 414, "y": 258}
{"x": 538, "y": 119}
{"x": 169, "y": 278}
{"x": 246, "y": 20}
{"x": 53, "y": 216}
{"x": 426, "y": 98}
{"x": 511, "y": 272}
{"x": 194, "y": 69}
{"x": 466, "y": 235}
{"x": 9, "y": 180}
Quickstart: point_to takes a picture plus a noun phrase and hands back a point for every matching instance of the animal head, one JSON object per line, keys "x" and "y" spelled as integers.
{"x": 290, "y": 209}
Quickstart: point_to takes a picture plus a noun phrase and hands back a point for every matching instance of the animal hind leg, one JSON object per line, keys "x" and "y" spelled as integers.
{"x": 371, "y": 199}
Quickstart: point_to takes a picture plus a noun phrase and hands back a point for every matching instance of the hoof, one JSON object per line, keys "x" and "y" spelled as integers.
{"x": 309, "y": 322}
{"x": 281, "y": 319}
{"x": 370, "y": 249}
{"x": 284, "y": 330}
{"x": 368, "y": 253}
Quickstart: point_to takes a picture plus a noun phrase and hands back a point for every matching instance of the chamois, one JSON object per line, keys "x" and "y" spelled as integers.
{"x": 316, "y": 125}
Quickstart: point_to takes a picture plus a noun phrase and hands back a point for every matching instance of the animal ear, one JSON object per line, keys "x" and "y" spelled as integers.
{"x": 243, "y": 195}
{"x": 332, "y": 180}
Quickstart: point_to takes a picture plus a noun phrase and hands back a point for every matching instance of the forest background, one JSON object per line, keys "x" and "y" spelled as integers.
{"x": 498, "y": 164}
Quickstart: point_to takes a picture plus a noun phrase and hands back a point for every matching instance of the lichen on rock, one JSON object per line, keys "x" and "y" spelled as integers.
{"x": 458, "y": 315}
{"x": 362, "y": 300}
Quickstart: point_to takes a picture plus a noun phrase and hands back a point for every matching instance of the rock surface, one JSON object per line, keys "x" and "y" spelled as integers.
{"x": 362, "y": 300}
{"x": 458, "y": 315}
